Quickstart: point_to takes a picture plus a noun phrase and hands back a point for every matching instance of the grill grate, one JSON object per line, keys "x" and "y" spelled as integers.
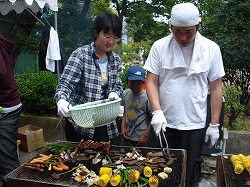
{"x": 226, "y": 176}
{"x": 23, "y": 176}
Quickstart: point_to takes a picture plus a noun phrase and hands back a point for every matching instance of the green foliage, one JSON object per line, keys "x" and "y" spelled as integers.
{"x": 37, "y": 92}
{"x": 123, "y": 76}
{"x": 241, "y": 126}
{"x": 232, "y": 104}
{"x": 229, "y": 29}
{"x": 231, "y": 96}
{"x": 29, "y": 43}
{"x": 74, "y": 30}
{"x": 247, "y": 110}
{"x": 141, "y": 23}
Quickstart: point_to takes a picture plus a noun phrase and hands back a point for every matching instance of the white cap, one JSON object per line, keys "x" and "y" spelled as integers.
{"x": 184, "y": 15}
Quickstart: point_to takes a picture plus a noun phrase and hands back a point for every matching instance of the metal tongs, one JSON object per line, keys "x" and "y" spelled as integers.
{"x": 167, "y": 155}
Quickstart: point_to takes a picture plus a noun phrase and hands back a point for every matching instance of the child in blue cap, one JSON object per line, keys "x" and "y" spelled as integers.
{"x": 137, "y": 114}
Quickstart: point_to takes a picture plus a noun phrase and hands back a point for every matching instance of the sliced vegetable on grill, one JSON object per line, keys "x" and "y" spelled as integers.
{"x": 134, "y": 176}
{"x": 56, "y": 148}
{"x": 153, "y": 181}
{"x": 163, "y": 175}
{"x": 167, "y": 170}
{"x": 105, "y": 170}
{"x": 103, "y": 180}
{"x": 115, "y": 180}
{"x": 237, "y": 164}
{"x": 147, "y": 171}
{"x": 246, "y": 163}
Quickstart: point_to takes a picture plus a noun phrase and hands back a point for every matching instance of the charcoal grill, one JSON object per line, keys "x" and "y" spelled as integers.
{"x": 30, "y": 178}
{"x": 226, "y": 176}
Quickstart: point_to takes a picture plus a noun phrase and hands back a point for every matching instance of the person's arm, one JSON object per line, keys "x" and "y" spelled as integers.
{"x": 213, "y": 133}
{"x": 123, "y": 126}
{"x": 216, "y": 100}
{"x": 158, "y": 121}
{"x": 152, "y": 91}
{"x": 143, "y": 139}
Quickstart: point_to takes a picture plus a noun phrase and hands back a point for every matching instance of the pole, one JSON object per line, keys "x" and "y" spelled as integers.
{"x": 58, "y": 78}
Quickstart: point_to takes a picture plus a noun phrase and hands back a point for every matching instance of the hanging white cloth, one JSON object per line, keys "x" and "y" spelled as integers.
{"x": 53, "y": 50}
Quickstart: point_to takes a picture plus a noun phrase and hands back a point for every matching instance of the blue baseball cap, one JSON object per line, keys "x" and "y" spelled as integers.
{"x": 136, "y": 73}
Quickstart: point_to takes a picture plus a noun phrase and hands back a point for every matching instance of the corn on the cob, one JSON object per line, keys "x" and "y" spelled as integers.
{"x": 103, "y": 180}
{"x": 105, "y": 170}
{"x": 238, "y": 168}
{"x": 237, "y": 163}
{"x": 153, "y": 181}
{"x": 134, "y": 176}
{"x": 246, "y": 163}
{"x": 147, "y": 171}
{"x": 115, "y": 180}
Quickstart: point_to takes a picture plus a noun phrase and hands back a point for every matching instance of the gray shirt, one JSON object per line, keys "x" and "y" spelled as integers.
{"x": 138, "y": 113}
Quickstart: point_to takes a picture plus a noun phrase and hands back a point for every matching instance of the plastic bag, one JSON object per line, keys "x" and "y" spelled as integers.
{"x": 205, "y": 183}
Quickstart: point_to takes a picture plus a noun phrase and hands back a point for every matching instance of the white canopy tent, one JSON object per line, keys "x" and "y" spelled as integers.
{"x": 20, "y": 5}
{"x": 33, "y": 6}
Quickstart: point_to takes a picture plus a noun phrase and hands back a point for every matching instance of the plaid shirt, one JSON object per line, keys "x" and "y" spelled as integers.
{"x": 81, "y": 82}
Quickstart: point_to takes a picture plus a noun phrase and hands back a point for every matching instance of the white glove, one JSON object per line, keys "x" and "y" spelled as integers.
{"x": 113, "y": 96}
{"x": 62, "y": 108}
{"x": 158, "y": 122}
{"x": 212, "y": 134}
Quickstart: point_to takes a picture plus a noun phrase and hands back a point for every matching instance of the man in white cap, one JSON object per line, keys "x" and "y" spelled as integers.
{"x": 182, "y": 67}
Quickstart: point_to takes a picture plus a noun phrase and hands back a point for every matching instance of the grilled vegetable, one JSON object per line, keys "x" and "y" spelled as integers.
{"x": 246, "y": 163}
{"x": 163, "y": 175}
{"x": 153, "y": 181}
{"x": 237, "y": 163}
{"x": 167, "y": 170}
{"x": 105, "y": 170}
{"x": 103, "y": 180}
{"x": 134, "y": 176}
{"x": 147, "y": 171}
{"x": 115, "y": 180}
{"x": 78, "y": 178}
{"x": 238, "y": 168}
{"x": 58, "y": 147}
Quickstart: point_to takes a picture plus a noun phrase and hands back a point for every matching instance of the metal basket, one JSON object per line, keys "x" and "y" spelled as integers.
{"x": 95, "y": 114}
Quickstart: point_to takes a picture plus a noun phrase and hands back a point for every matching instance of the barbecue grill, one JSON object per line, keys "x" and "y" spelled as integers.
{"x": 30, "y": 178}
{"x": 226, "y": 176}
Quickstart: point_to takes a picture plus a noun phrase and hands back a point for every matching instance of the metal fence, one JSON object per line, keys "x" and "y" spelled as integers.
{"x": 26, "y": 61}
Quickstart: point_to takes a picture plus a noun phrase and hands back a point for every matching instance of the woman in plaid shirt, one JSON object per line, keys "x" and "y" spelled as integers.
{"x": 92, "y": 73}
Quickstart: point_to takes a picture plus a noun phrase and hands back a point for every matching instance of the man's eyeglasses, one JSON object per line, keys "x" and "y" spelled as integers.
{"x": 109, "y": 38}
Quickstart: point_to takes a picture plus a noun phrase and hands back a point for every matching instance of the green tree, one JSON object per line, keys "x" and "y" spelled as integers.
{"x": 230, "y": 29}
{"x": 143, "y": 11}
{"x": 74, "y": 28}
{"x": 144, "y": 27}
{"x": 232, "y": 103}
{"x": 21, "y": 32}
